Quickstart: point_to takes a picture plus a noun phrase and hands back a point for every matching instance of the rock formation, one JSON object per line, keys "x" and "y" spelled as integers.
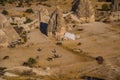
{"x": 7, "y": 33}
{"x": 44, "y": 15}
{"x": 56, "y": 25}
{"x": 84, "y": 10}
{"x": 116, "y": 5}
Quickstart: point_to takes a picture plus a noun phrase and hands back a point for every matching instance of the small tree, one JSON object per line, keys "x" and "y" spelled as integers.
{"x": 105, "y": 7}
{"x": 5, "y": 12}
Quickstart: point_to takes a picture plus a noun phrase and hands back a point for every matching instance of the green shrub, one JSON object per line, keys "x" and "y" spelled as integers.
{"x": 28, "y": 20}
{"x": 32, "y": 61}
{"x": 105, "y": 7}
{"x": 1, "y": 1}
{"x": 13, "y": 23}
{"x": 29, "y": 11}
{"x": 3, "y": 4}
{"x": 25, "y": 39}
{"x": 5, "y": 12}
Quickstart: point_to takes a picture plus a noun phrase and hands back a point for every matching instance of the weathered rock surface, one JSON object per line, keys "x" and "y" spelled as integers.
{"x": 44, "y": 15}
{"x": 10, "y": 75}
{"x": 116, "y": 6}
{"x": 84, "y": 10}
{"x": 56, "y": 25}
{"x": 7, "y": 33}
{"x": 15, "y": 71}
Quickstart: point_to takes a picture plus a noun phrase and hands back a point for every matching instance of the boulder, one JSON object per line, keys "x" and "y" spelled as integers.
{"x": 84, "y": 10}
{"x": 57, "y": 25}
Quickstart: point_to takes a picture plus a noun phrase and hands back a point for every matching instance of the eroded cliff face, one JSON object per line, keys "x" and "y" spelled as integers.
{"x": 44, "y": 15}
{"x": 84, "y": 10}
{"x": 56, "y": 25}
{"x": 7, "y": 33}
{"x": 116, "y": 6}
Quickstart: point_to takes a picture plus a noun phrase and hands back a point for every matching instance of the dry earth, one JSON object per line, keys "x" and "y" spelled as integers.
{"x": 97, "y": 39}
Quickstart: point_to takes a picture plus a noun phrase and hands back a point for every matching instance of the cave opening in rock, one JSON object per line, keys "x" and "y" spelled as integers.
{"x": 43, "y": 28}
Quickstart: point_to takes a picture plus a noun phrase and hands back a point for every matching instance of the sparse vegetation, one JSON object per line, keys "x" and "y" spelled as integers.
{"x": 29, "y": 10}
{"x": 2, "y": 70}
{"x": 19, "y": 5}
{"x": 105, "y": 7}
{"x": 11, "y": 1}
{"x": 22, "y": 33}
{"x": 31, "y": 61}
{"x": 59, "y": 43}
{"x": 13, "y": 23}
{"x": 60, "y": 60}
{"x": 5, "y": 12}
{"x": 28, "y": 20}
{"x": 79, "y": 43}
{"x": 24, "y": 36}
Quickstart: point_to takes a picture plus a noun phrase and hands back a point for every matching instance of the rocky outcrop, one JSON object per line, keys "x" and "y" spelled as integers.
{"x": 84, "y": 10}
{"x": 44, "y": 15}
{"x": 22, "y": 70}
{"x": 116, "y": 6}
{"x": 56, "y": 25}
{"x": 7, "y": 33}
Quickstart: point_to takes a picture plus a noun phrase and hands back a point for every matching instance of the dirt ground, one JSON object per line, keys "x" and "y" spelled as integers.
{"x": 97, "y": 39}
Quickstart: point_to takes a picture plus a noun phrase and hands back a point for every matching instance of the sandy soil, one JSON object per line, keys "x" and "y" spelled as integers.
{"x": 97, "y": 39}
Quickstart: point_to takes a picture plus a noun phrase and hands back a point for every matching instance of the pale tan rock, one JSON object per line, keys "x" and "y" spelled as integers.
{"x": 84, "y": 10}
{"x": 44, "y": 15}
{"x": 10, "y": 75}
{"x": 56, "y": 25}
{"x": 7, "y": 33}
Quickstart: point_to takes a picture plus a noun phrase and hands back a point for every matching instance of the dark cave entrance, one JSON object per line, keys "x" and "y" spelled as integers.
{"x": 43, "y": 28}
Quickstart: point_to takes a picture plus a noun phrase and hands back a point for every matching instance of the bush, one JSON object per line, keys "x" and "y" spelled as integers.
{"x": 29, "y": 11}
{"x": 24, "y": 39}
{"x": 32, "y": 61}
{"x": 5, "y": 12}
{"x": 13, "y": 23}
{"x": 105, "y": 7}
{"x": 28, "y": 20}
{"x": 1, "y": 1}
